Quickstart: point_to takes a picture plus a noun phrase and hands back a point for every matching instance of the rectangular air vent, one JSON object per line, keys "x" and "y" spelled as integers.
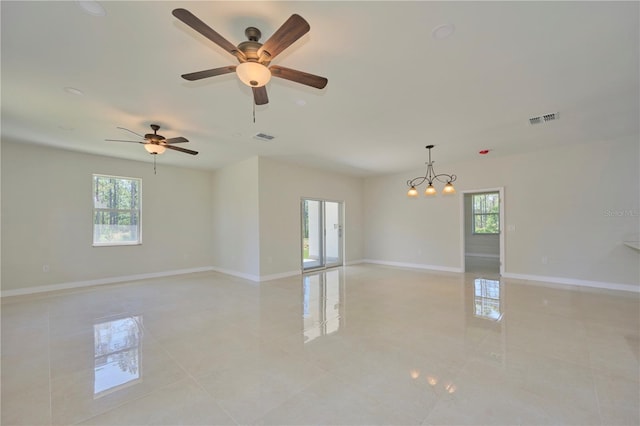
{"x": 544, "y": 118}
{"x": 263, "y": 137}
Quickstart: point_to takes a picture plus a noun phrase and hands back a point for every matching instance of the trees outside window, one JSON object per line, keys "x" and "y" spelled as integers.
{"x": 486, "y": 213}
{"x": 116, "y": 210}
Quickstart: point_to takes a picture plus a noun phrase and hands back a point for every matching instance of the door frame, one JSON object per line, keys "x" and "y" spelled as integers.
{"x": 500, "y": 191}
{"x": 341, "y": 247}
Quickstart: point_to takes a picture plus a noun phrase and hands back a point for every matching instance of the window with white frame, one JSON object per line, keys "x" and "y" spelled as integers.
{"x": 486, "y": 213}
{"x": 116, "y": 210}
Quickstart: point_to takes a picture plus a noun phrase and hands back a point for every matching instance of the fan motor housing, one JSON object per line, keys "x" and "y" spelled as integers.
{"x": 250, "y": 49}
{"x": 153, "y": 137}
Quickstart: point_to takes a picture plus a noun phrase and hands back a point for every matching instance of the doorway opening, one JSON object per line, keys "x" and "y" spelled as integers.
{"x": 322, "y": 230}
{"x": 483, "y": 236}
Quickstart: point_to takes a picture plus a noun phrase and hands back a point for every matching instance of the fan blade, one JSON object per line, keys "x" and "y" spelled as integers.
{"x": 179, "y": 139}
{"x": 209, "y": 73}
{"x": 191, "y": 20}
{"x": 294, "y": 28}
{"x": 260, "y": 95}
{"x": 299, "y": 77}
{"x": 124, "y": 128}
{"x": 185, "y": 150}
{"x": 120, "y": 140}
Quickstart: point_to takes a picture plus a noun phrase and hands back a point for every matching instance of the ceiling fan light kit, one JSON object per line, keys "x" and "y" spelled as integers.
{"x": 253, "y": 74}
{"x": 430, "y": 177}
{"x": 153, "y": 148}
{"x": 255, "y": 58}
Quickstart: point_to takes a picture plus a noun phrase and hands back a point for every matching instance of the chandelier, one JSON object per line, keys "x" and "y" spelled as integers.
{"x": 430, "y": 177}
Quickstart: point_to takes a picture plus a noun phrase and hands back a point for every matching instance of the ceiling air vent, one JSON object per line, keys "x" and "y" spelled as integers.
{"x": 263, "y": 137}
{"x": 544, "y": 118}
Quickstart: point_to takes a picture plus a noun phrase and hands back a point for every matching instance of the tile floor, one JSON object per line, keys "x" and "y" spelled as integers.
{"x": 364, "y": 344}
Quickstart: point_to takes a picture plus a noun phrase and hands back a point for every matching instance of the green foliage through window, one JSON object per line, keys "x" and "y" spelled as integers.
{"x": 486, "y": 213}
{"x": 116, "y": 210}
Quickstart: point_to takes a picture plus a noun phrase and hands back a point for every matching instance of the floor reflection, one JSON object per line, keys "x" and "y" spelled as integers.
{"x": 117, "y": 352}
{"x": 487, "y": 299}
{"x": 486, "y": 325}
{"x": 322, "y": 304}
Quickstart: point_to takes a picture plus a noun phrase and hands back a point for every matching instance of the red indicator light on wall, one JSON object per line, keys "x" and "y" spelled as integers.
{"x": 483, "y": 152}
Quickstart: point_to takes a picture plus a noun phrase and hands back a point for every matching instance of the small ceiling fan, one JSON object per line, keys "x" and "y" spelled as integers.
{"x": 255, "y": 70}
{"x": 155, "y": 143}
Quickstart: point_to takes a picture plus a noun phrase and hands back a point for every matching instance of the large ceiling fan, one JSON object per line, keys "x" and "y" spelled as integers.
{"x": 155, "y": 143}
{"x": 255, "y": 58}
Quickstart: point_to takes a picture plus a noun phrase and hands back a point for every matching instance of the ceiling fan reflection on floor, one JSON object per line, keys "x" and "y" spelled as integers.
{"x": 255, "y": 69}
{"x": 156, "y": 144}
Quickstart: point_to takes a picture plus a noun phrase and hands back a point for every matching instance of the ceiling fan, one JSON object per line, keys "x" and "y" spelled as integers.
{"x": 255, "y": 58}
{"x": 155, "y": 143}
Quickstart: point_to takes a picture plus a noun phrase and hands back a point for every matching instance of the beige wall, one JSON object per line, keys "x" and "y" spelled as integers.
{"x": 567, "y": 211}
{"x": 47, "y": 218}
{"x": 282, "y": 185}
{"x": 235, "y": 220}
{"x": 569, "y": 208}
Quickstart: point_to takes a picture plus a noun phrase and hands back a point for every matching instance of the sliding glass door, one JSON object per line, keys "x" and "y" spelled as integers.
{"x": 321, "y": 233}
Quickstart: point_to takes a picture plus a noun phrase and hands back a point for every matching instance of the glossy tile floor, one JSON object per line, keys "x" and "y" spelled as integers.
{"x": 364, "y": 344}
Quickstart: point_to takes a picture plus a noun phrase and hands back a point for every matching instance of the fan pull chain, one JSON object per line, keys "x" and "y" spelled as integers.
{"x": 254, "y": 111}
{"x": 154, "y": 164}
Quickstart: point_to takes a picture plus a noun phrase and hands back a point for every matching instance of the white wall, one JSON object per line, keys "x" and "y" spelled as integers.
{"x": 282, "y": 185}
{"x": 572, "y": 207}
{"x": 235, "y": 219}
{"x": 47, "y": 218}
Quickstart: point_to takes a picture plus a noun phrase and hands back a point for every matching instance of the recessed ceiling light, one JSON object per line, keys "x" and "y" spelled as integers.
{"x": 443, "y": 31}
{"x": 91, "y": 7}
{"x": 74, "y": 91}
{"x": 483, "y": 152}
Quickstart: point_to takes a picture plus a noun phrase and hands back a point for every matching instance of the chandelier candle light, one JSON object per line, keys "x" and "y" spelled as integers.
{"x": 430, "y": 177}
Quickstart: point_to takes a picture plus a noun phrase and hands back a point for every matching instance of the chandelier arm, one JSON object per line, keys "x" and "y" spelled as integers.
{"x": 445, "y": 178}
{"x": 417, "y": 181}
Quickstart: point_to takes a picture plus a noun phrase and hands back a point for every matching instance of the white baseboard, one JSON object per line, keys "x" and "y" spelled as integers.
{"x": 414, "y": 265}
{"x": 101, "y": 281}
{"x": 493, "y": 256}
{"x": 574, "y": 282}
{"x": 525, "y": 277}
{"x": 280, "y": 275}
{"x": 250, "y": 277}
{"x": 256, "y": 278}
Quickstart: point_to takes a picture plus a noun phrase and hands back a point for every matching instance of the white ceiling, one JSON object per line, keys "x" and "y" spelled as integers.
{"x": 392, "y": 88}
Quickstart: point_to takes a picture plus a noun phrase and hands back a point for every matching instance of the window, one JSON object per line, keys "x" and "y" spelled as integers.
{"x": 486, "y": 213}
{"x": 116, "y": 210}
